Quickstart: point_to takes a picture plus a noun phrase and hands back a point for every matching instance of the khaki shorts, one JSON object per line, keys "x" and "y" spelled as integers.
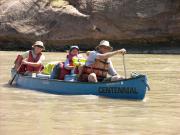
{"x": 112, "y": 78}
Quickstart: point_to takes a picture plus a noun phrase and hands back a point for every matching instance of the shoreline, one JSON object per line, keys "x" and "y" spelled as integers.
{"x": 134, "y": 46}
{"x": 165, "y": 50}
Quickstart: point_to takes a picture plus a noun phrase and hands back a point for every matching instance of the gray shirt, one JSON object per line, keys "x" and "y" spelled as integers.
{"x": 92, "y": 57}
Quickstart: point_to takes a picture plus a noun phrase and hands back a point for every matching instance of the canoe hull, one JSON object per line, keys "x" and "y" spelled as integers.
{"x": 134, "y": 88}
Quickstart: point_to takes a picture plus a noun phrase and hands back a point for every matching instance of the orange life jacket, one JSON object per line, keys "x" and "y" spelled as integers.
{"x": 64, "y": 71}
{"x": 29, "y": 68}
{"x": 99, "y": 67}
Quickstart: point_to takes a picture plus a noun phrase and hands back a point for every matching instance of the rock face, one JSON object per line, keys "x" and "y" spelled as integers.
{"x": 86, "y": 22}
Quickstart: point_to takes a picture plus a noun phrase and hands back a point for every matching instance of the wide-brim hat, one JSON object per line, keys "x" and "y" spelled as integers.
{"x": 39, "y": 44}
{"x": 105, "y": 44}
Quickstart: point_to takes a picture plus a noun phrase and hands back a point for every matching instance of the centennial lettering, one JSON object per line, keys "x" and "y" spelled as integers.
{"x": 122, "y": 90}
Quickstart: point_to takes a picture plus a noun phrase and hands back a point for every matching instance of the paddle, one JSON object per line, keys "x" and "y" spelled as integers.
{"x": 124, "y": 66}
{"x": 11, "y": 81}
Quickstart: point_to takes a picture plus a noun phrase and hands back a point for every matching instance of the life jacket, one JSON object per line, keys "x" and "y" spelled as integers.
{"x": 64, "y": 71}
{"x": 48, "y": 68}
{"x": 29, "y": 68}
{"x": 99, "y": 67}
{"x": 20, "y": 68}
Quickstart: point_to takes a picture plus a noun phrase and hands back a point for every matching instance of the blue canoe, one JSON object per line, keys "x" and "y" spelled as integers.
{"x": 133, "y": 88}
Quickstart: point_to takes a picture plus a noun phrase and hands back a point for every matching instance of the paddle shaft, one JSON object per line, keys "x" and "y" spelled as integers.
{"x": 11, "y": 81}
{"x": 124, "y": 65}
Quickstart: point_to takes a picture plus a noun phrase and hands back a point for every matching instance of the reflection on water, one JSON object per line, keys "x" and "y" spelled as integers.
{"x": 26, "y": 112}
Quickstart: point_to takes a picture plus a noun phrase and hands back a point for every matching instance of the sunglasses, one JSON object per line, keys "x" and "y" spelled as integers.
{"x": 40, "y": 46}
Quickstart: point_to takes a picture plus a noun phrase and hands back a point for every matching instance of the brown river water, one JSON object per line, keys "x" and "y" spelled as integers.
{"x": 27, "y": 112}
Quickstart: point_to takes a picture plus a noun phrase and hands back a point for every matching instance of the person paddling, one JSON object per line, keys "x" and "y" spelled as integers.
{"x": 99, "y": 65}
{"x": 30, "y": 61}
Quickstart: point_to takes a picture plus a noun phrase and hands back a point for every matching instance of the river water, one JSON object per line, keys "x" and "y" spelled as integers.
{"x": 26, "y": 112}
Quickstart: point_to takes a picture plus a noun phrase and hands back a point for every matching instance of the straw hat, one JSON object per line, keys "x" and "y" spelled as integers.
{"x": 39, "y": 43}
{"x": 104, "y": 43}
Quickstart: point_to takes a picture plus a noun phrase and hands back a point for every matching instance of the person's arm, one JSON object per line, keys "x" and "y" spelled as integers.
{"x": 111, "y": 70}
{"x": 110, "y": 54}
{"x": 80, "y": 56}
{"x": 19, "y": 59}
{"x": 67, "y": 65}
{"x": 34, "y": 64}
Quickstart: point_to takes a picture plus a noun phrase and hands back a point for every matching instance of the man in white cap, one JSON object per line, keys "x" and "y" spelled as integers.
{"x": 31, "y": 61}
{"x": 98, "y": 64}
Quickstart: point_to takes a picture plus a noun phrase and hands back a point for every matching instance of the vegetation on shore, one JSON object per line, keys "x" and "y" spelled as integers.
{"x": 171, "y": 46}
